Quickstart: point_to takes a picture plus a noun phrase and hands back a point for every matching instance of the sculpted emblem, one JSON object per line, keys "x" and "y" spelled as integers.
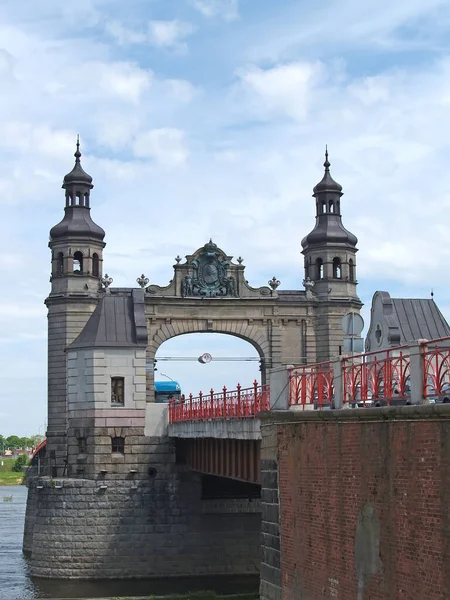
{"x": 209, "y": 275}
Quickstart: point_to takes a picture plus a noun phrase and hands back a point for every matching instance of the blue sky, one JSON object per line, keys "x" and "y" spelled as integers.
{"x": 204, "y": 118}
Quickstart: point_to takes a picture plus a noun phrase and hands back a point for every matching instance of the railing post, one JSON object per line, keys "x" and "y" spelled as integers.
{"x": 255, "y": 399}
{"x": 224, "y": 402}
{"x": 211, "y": 403}
{"x": 336, "y": 367}
{"x": 239, "y": 401}
{"x": 279, "y": 386}
{"x": 417, "y": 370}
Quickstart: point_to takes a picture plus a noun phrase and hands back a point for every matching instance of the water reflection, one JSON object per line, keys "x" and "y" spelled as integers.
{"x": 16, "y": 583}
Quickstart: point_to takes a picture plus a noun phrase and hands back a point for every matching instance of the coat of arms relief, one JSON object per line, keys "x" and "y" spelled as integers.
{"x": 209, "y": 275}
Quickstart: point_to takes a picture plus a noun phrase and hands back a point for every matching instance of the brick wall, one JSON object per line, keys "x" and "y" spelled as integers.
{"x": 364, "y": 504}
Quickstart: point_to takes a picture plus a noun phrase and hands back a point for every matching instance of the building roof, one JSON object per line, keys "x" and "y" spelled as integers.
{"x": 291, "y": 295}
{"x": 117, "y": 322}
{"x": 419, "y": 318}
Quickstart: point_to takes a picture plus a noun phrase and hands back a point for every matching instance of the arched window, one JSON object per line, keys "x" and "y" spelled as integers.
{"x": 95, "y": 265}
{"x": 78, "y": 262}
{"x": 351, "y": 270}
{"x": 319, "y": 268}
{"x": 331, "y": 207}
{"x": 324, "y": 207}
{"x": 60, "y": 264}
{"x": 337, "y": 269}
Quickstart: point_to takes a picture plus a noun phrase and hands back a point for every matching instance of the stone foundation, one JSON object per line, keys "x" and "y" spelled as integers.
{"x": 152, "y": 523}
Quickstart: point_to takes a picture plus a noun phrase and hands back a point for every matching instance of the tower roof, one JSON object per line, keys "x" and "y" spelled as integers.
{"x": 77, "y": 221}
{"x": 327, "y": 184}
{"x": 328, "y": 228}
{"x": 77, "y": 174}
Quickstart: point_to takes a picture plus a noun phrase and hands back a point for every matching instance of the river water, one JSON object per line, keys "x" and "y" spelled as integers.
{"x": 16, "y": 583}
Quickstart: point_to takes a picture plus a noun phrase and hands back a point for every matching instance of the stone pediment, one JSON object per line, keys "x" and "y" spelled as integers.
{"x": 210, "y": 273}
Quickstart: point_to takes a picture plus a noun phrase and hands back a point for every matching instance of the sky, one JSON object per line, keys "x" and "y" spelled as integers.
{"x": 209, "y": 118}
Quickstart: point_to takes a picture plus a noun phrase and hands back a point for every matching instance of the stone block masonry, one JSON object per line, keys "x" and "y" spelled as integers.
{"x": 137, "y": 525}
{"x": 364, "y": 504}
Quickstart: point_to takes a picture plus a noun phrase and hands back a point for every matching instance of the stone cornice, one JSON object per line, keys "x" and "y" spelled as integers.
{"x": 436, "y": 412}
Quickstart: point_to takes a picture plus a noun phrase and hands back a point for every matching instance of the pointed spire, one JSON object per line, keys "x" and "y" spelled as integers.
{"x": 327, "y": 184}
{"x": 327, "y": 163}
{"x": 78, "y": 153}
{"x": 77, "y": 175}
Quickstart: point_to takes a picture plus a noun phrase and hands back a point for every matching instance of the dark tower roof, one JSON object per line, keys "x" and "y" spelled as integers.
{"x": 77, "y": 174}
{"x": 329, "y": 228}
{"x": 77, "y": 221}
{"x": 328, "y": 184}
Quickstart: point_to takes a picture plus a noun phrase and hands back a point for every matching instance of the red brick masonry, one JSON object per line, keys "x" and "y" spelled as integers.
{"x": 364, "y": 503}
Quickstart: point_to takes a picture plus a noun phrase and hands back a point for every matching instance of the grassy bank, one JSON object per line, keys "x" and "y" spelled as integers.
{"x": 7, "y": 476}
{"x": 11, "y": 478}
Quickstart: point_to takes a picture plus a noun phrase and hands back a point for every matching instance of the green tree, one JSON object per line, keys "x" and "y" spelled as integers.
{"x": 12, "y": 441}
{"x": 21, "y": 461}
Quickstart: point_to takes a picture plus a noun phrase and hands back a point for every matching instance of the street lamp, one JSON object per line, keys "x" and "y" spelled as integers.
{"x": 164, "y": 375}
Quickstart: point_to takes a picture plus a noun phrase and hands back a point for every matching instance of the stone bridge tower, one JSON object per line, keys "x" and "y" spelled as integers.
{"x": 330, "y": 266}
{"x": 77, "y": 245}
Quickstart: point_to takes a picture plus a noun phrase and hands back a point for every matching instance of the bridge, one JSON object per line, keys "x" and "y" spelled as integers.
{"x": 219, "y": 433}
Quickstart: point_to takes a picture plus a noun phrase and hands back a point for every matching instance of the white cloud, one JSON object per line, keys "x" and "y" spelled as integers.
{"x": 227, "y": 10}
{"x": 164, "y": 34}
{"x": 166, "y": 146}
{"x": 287, "y": 87}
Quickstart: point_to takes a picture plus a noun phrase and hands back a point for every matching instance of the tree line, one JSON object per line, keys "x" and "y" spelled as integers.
{"x": 15, "y": 442}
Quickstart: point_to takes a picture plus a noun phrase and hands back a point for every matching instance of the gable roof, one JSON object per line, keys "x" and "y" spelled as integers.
{"x": 118, "y": 321}
{"x": 419, "y": 319}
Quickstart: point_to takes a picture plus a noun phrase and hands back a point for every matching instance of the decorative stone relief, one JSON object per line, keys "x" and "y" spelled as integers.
{"x": 208, "y": 276}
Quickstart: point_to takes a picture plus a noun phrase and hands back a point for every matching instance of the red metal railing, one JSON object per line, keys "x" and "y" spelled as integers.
{"x": 377, "y": 377}
{"x": 311, "y": 386}
{"x": 436, "y": 367}
{"x": 241, "y": 403}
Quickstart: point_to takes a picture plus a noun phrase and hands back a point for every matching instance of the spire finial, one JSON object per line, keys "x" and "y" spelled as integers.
{"x": 78, "y": 153}
{"x": 326, "y": 164}
{"x": 432, "y": 293}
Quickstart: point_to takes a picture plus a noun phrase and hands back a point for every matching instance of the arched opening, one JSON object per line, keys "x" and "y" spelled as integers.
{"x": 337, "y": 268}
{"x": 95, "y": 265}
{"x": 60, "y": 264}
{"x": 351, "y": 270}
{"x": 324, "y": 207}
{"x": 331, "y": 206}
{"x": 233, "y": 361}
{"x": 77, "y": 262}
{"x": 319, "y": 268}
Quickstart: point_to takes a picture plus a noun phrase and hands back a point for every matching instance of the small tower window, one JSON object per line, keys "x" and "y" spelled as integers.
{"x": 95, "y": 265}
{"x": 117, "y": 391}
{"x": 324, "y": 207}
{"x": 337, "y": 269}
{"x": 118, "y": 445}
{"x": 319, "y": 268}
{"x": 78, "y": 262}
{"x": 60, "y": 264}
{"x": 331, "y": 208}
{"x": 351, "y": 270}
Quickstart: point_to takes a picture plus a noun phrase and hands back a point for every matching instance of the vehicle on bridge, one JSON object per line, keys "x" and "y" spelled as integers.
{"x": 167, "y": 390}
